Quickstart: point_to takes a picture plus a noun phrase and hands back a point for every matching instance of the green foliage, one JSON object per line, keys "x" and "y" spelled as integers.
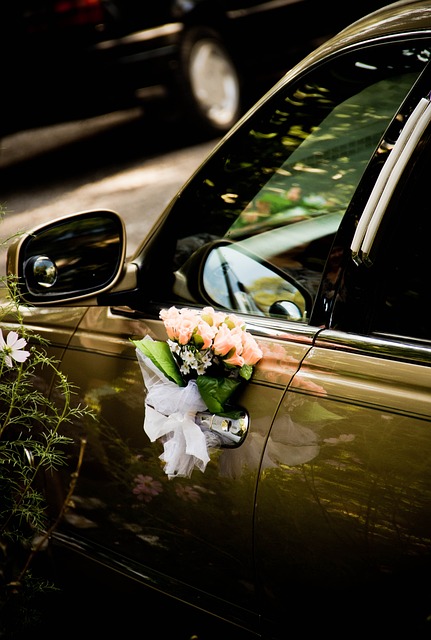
{"x": 31, "y": 445}
{"x": 161, "y": 356}
{"x": 216, "y": 391}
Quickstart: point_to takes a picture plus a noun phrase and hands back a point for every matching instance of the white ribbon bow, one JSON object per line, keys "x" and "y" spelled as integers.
{"x": 169, "y": 414}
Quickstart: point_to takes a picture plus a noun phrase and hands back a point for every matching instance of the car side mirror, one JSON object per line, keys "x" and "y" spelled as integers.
{"x": 69, "y": 259}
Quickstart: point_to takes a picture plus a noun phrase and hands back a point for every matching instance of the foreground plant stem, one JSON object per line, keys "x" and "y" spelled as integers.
{"x": 63, "y": 510}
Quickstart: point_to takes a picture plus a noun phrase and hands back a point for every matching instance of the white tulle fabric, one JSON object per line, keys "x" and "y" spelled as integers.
{"x": 169, "y": 415}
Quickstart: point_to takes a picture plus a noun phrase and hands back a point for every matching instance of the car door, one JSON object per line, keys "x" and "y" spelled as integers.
{"x": 269, "y": 190}
{"x": 349, "y": 519}
{"x": 197, "y": 533}
{"x": 188, "y": 536}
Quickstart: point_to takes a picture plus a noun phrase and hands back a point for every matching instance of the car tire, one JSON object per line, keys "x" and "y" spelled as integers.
{"x": 210, "y": 82}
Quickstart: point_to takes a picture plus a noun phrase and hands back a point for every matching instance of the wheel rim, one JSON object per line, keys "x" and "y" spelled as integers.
{"x": 214, "y": 83}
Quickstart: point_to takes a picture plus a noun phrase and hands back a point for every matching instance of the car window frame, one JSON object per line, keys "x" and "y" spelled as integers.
{"x": 347, "y": 287}
{"x": 163, "y": 236}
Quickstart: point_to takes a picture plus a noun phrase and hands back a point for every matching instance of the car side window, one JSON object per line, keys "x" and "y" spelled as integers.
{"x": 400, "y": 307}
{"x": 253, "y": 229}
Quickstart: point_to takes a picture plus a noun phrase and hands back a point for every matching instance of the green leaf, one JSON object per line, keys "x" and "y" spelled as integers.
{"x": 161, "y": 355}
{"x": 246, "y": 371}
{"x": 215, "y": 392}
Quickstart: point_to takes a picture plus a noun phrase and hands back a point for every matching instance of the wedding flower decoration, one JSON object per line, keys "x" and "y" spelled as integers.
{"x": 207, "y": 355}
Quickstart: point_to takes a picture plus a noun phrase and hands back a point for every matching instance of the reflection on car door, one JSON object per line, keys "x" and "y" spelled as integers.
{"x": 194, "y": 530}
{"x": 348, "y": 500}
{"x": 357, "y": 506}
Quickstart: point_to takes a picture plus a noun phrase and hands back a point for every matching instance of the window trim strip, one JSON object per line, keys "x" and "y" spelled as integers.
{"x": 375, "y": 208}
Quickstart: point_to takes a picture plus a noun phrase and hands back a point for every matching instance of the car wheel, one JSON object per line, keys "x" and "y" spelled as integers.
{"x": 210, "y": 82}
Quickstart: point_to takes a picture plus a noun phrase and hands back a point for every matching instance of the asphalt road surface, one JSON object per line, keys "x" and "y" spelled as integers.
{"x": 117, "y": 162}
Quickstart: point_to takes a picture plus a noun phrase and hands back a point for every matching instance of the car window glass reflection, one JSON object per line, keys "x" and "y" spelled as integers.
{"x": 286, "y": 181}
{"x": 237, "y": 281}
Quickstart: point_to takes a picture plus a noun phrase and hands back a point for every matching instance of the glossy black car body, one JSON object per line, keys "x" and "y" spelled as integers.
{"x": 202, "y": 59}
{"x": 311, "y": 221}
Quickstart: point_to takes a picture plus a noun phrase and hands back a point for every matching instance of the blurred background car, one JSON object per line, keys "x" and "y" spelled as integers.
{"x": 200, "y": 60}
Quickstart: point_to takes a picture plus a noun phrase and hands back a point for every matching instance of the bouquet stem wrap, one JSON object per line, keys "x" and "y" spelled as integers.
{"x": 169, "y": 414}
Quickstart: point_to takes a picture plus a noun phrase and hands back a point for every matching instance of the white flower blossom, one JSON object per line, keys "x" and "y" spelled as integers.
{"x": 192, "y": 358}
{"x": 174, "y": 346}
{"x": 13, "y": 348}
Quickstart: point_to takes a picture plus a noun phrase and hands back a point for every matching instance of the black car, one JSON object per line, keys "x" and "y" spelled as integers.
{"x": 203, "y": 59}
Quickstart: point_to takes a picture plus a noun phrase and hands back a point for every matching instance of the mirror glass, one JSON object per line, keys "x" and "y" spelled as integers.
{"x": 238, "y": 281}
{"x": 75, "y": 256}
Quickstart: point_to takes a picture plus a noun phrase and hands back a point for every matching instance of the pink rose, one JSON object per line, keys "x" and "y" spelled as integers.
{"x": 251, "y": 352}
{"x": 184, "y": 330}
{"x": 235, "y": 360}
{"x": 233, "y": 321}
{"x": 169, "y": 315}
{"x": 170, "y": 319}
{"x": 224, "y": 341}
{"x": 179, "y": 324}
{"x": 206, "y": 332}
{"x": 213, "y": 318}
{"x": 228, "y": 345}
{"x": 209, "y": 329}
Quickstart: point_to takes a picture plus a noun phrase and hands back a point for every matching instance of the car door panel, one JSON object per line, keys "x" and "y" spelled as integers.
{"x": 191, "y": 531}
{"x": 354, "y": 508}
